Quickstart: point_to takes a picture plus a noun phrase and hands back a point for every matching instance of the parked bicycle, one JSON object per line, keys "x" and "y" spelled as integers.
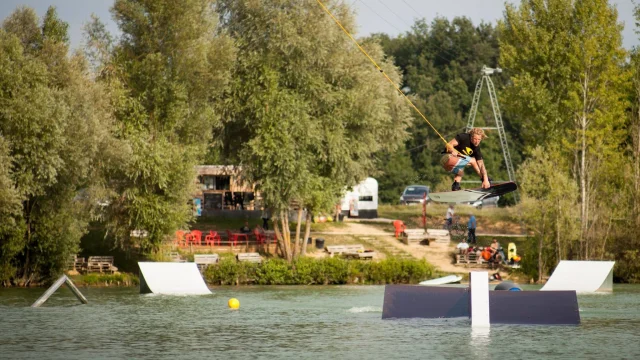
{"x": 457, "y": 231}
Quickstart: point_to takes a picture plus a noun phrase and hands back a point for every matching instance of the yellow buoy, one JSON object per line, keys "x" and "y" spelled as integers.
{"x": 234, "y": 303}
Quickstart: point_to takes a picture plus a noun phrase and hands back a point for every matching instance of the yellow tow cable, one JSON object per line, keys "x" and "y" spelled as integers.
{"x": 380, "y": 69}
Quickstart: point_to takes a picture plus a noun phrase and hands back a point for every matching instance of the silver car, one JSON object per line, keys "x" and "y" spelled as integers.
{"x": 414, "y": 194}
{"x": 489, "y": 202}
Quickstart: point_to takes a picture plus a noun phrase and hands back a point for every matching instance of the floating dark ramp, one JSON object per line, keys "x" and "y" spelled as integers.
{"x": 409, "y": 301}
{"x": 534, "y": 307}
{"x": 505, "y": 307}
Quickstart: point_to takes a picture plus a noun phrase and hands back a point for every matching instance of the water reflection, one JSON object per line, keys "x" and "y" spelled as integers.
{"x": 318, "y": 322}
{"x": 480, "y": 342}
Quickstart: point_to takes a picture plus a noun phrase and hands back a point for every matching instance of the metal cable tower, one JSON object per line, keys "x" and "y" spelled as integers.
{"x": 496, "y": 115}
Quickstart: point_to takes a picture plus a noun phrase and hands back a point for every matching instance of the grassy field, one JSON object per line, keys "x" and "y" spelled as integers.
{"x": 489, "y": 220}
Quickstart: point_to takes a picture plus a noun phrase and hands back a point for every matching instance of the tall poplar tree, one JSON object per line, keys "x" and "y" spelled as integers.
{"x": 565, "y": 59}
{"x": 54, "y": 126}
{"x": 164, "y": 76}
{"x": 306, "y": 111}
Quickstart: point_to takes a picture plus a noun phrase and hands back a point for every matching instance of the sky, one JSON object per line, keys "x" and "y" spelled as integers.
{"x": 374, "y": 16}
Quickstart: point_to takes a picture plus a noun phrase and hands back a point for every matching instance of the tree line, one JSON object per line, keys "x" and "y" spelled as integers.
{"x": 570, "y": 96}
{"x": 110, "y": 134}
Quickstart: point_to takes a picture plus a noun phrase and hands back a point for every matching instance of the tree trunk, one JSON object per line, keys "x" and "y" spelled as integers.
{"x": 287, "y": 236}
{"x": 606, "y": 236}
{"x": 284, "y": 236}
{"x": 540, "y": 243}
{"x": 279, "y": 241}
{"x": 296, "y": 251}
{"x": 307, "y": 232}
{"x": 636, "y": 162}
{"x": 583, "y": 185}
{"x": 558, "y": 232}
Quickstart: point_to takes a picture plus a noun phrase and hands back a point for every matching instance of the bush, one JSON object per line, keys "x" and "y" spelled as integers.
{"x": 327, "y": 271}
{"x": 95, "y": 279}
{"x": 627, "y": 267}
{"x": 274, "y": 272}
{"x": 230, "y": 272}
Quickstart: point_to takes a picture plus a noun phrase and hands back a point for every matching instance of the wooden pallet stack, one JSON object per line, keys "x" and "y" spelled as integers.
{"x": 101, "y": 264}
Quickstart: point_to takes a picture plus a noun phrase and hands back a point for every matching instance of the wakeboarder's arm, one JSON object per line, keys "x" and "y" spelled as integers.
{"x": 482, "y": 171}
{"x": 451, "y": 147}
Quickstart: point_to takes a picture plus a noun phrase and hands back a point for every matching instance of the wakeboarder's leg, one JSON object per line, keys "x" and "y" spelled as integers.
{"x": 456, "y": 181}
{"x": 455, "y": 165}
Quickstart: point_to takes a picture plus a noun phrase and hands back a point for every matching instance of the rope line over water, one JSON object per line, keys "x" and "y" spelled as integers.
{"x": 380, "y": 69}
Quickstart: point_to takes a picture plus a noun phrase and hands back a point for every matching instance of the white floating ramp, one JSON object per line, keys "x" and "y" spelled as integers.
{"x": 582, "y": 276}
{"x": 171, "y": 278}
{"x": 451, "y": 279}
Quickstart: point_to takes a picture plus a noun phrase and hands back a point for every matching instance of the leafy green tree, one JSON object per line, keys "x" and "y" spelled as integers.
{"x": 396, "y": 174}
{"x": 566, "y": 64}
{"x": 634, "y": 134}
{"x": 164, "y": 78}
{"x": 549, "y": 201}
{"x": 53, "y": 28}
{"x": 55, "y": 126}
{"x": 11, "y": 224}
{"x": 23, "y": 23}
{"x": 304, "y": 104}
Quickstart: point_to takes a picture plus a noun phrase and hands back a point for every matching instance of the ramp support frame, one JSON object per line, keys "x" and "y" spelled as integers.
{"x": 63, "y": 279}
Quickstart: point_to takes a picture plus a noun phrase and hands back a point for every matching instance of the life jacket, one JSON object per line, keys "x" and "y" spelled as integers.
{"x": 486, "y": 254}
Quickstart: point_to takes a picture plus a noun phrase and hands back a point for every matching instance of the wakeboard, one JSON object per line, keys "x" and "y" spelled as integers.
{"x": 471, "y": 195}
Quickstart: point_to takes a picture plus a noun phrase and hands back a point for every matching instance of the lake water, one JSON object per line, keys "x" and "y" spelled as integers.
{"x": 296, "y": 322}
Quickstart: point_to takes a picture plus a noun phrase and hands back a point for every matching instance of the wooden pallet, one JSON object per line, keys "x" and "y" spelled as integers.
{"x": 249, "y": 257}
{"x": 102, "y": 264}
{"x": 366, "y": 255}
{"x": 470, "y": 260}
{"x": 76, "y": 263}
{"x": 204, "y": 260}
{"x": 439, "y": 235}
{"x": 410, "y": 236}
{"x": 350, "y": 251}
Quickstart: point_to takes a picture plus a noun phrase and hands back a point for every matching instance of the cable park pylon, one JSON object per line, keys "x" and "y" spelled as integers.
{"x": 486, "y": 72}
{"x": 474, "y": 105}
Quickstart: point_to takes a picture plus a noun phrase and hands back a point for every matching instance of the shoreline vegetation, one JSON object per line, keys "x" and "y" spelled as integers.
{"x": 304, "y": 271}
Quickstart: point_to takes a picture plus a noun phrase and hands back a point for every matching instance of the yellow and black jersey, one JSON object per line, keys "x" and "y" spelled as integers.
{"x": 466, "y": 147}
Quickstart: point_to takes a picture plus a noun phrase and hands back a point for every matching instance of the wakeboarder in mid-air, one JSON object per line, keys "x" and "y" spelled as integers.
{"x": 464, "y": 150}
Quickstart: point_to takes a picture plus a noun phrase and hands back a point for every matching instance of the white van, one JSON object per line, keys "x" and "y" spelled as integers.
{"x": 361, "y": 201}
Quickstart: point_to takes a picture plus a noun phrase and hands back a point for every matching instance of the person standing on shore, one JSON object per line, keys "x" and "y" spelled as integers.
{"x": 471, "y": 226}
{"x": 265, "y": 218}
{"x": 449, "y": 217}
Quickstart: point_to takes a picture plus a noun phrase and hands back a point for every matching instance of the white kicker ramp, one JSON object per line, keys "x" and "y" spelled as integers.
{"x": 582, "y": 276}
{"x": 171, "y": 278}
{"x": 442, "y": 281}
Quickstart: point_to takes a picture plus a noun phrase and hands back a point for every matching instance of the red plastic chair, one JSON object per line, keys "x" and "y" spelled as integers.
{"x": 212, "y": 237}
{"x": 195, "y": 237}
{"x": 399, "y": 227}
{"x": 235, "y": 236}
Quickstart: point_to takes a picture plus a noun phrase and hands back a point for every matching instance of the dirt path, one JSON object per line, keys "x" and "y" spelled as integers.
{"x": 436, "y": 254}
